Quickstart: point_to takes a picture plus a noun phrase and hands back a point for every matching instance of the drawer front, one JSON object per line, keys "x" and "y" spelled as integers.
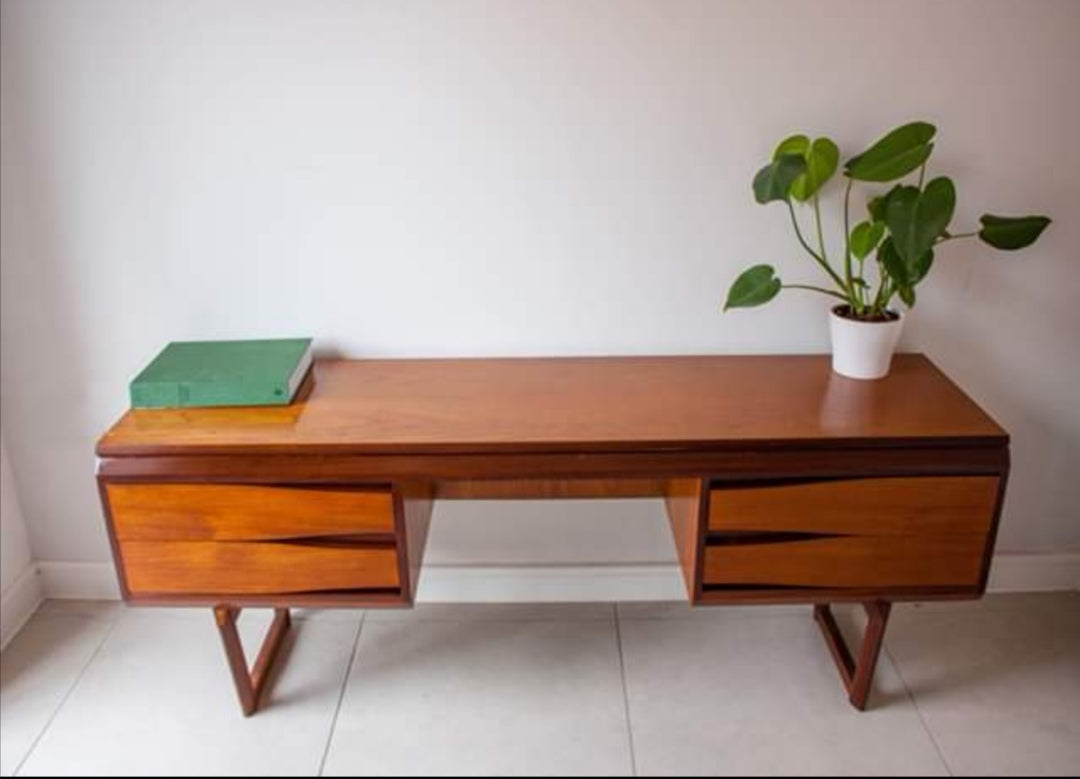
{"x": 232, "y": 512}
{"x": 864, "y": 534}
{"x": 254, "y": 568}
{"x": 853, "y": 562}
{"x": 878, "y": 507}
{"x": 222, "y": 540}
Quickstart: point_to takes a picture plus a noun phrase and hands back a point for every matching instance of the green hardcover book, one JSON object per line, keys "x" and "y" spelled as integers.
{"x": 223, "y": 373}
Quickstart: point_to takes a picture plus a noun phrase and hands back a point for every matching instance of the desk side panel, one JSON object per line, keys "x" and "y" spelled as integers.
{"x": 686, "y": 504}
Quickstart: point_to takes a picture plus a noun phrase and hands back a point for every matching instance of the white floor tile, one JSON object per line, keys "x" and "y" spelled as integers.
{"x": 536, "y": 688}
{"x": 995, "y": 602}
{"x": 351, "y": 616}
{"x": 736, "y": 696}
{"x": 998, "y": 688}
{"x": 158, "y": 699}
{"x": 37, "y": 670}
{"x": 483, "y": 697}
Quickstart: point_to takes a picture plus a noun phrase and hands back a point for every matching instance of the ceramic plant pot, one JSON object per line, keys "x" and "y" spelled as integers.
{"x": 863, "y": 349}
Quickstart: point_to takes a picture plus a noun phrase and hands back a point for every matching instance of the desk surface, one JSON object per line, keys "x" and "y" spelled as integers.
{"x": 586, "y": 404}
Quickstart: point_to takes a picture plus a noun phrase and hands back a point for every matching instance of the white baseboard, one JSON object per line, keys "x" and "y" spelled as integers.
{"x": 79, "y": 581}
{"x": 19, "y": 602}
{"x": 549, "y": 583}
{"x": 1034, "y": 572}
{"x": 565, "y": 583}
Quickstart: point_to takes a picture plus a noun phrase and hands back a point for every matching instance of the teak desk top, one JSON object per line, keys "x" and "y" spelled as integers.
{"x": 601, "y": 404}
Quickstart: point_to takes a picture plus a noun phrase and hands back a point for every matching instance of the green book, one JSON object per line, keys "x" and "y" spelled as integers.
{"x": 223, "y": 373}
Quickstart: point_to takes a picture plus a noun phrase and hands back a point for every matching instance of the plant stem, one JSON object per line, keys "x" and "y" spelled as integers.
{"x": 820, "y": 260}
{"x": 954, "y": 237}
{"x": 883, "y": 283}
{"x": 812, "y": 288}
{"x": 856, "y": 300}
{"x": 820, "y": 235}
{"x": 884, "y": 295}
{"x": 922, "y": 174}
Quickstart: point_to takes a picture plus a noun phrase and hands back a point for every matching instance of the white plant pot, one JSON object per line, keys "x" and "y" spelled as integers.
{"x": 863, "y": 350}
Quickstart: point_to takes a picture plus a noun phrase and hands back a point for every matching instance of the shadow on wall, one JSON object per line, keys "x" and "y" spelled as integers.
{"x": 44, "y": 353}
{"x": 978, "y": 327}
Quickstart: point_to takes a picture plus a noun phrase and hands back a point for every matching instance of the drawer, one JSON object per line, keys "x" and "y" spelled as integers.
{"x": 856, "y": 562}
{"x": 221, "y": 540}
{"x": 878, "y": 507}
{"x": 223, "y": 568}
{"x": 864, "y": 534}
{"x": 232, "y": 512}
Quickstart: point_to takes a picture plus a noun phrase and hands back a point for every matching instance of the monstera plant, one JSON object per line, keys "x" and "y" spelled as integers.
{"x": 887, "y": 253}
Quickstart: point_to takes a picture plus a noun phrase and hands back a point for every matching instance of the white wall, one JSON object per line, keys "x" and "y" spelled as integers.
{"x": 508, "y": 178}
{"x": 20, "y": 591}
{"x": 14, "y": 545}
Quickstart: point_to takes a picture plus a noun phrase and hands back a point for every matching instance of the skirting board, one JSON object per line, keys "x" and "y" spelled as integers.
{"x": 19, "y": 602}
{"x": 568, "y": 583}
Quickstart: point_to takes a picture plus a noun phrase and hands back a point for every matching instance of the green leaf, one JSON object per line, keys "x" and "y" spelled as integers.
{"x": 821, "y": 161}
{"x": 877, "y": 205}
{"x": 904, "y": 273}
{"x": 754, "y": 286}
{"x": 865, "y": 238}
{"x": 876, "y": 208}
{"x": 922, "y": 267}
{"x": 773, "y": 182}
{"x": 796, "y": 144}
{"x": 1009, "y": 233}
{"x": 897, "y": 154}
{"x": 916, "y": 219}
{"x": 907, "y": 294}
{"x": 892, "y": 262}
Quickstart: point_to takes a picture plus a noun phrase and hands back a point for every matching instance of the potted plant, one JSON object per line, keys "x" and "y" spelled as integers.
{"x": 903, "y": 228}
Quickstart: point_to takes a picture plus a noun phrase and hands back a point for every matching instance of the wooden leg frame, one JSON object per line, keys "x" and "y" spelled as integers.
{"x": 249, "y": 685}
{"x": 857, "y": 676}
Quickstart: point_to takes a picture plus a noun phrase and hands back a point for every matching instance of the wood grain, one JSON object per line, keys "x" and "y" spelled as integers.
{"x": 734, "y": 596}
{"x": 858, "y": 676}
{"x": 544, "y": 489}
{"x": 684, "y": 503}
{"x": 574, "y": 405}
{"x": 792, "y": 462}
{"x": 251, "y": 568}
{"x": 867, "y": 562}
{"x": 250, "y": 685}
{"x": 415, "y": 516}
{"x": 231, "y": 512}
{"x": 900, "y": 506}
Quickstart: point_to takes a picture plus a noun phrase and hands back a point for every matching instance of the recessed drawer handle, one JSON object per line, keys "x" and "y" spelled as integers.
{"x": 748, "y": 537}
{"x": 358, "y": 541}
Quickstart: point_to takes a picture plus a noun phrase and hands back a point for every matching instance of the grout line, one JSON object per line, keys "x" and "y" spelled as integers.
{"x": 625, "y": 692}
{"x": 918, "y": 711}
{"x": 341, "y": 694}
{"x": 71, "y": 689}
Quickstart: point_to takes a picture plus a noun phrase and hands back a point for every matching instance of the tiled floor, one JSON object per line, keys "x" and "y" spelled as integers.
{"x": 969, "y": 688}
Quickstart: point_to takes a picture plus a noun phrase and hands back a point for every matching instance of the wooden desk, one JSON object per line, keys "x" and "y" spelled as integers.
{"x": 783, "y": 482}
